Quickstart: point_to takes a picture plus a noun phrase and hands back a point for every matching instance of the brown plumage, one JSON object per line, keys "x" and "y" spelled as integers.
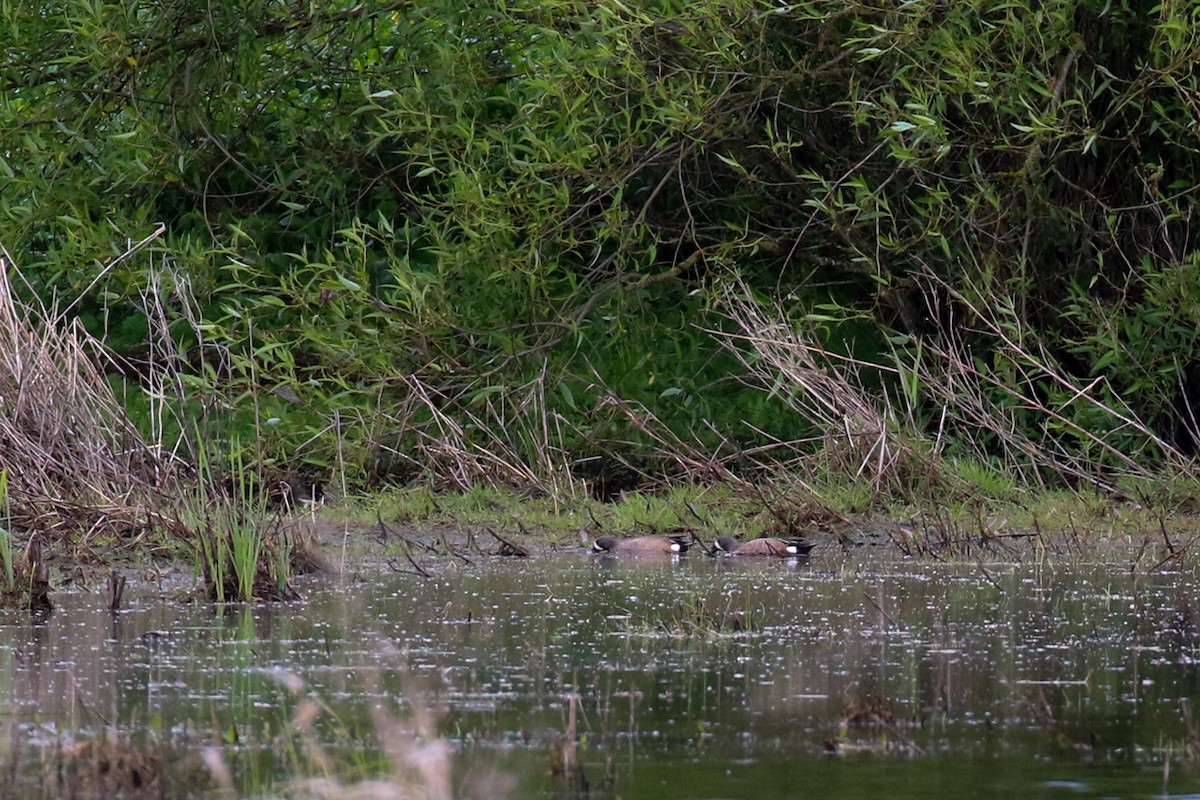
{"x": 641, "y": 544}
{"x": 781, "y": 548}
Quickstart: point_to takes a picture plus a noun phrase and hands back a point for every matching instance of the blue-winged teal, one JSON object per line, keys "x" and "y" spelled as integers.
{"x": 640, "y": 545}
{"x": 782, "y": 548}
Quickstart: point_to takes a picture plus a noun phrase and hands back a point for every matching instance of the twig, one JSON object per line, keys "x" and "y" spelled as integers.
{"x": 1162, "y": 529}
{"x": 988, "y": 575}
{"x": 507, "y": 547}
{"x": 159, "y": 231}
{"x": 417, "y": 569}
{"x": 891, "y": 622}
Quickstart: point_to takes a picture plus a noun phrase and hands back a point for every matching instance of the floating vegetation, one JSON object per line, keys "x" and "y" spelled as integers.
{"x": 696, "y": 615}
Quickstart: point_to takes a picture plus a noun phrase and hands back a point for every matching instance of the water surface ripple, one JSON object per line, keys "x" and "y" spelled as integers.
{"x": 687, "y": 678}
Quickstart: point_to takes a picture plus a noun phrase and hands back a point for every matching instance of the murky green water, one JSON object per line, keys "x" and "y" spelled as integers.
{"x": 690, "y": 679}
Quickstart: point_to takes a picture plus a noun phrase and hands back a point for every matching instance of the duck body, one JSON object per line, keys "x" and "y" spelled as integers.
{"x": 640, "y": 545}
{"x": 779, "y": 548}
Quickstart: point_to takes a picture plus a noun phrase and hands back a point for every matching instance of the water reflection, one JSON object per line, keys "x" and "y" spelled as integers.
{"x": 694, "y": 677}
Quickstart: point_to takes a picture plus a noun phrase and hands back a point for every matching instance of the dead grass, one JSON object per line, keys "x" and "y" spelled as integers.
{"x": 1023, "y": 381}
{"x": 477, "y": 436}
{"x": 890, "y": 424}
{"x": 860, "y": 433}
{"x": 76, "y": 464}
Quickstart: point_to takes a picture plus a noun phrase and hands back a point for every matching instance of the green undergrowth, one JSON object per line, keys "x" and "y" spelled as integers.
{"x": 513, "y": 241}
{"x": 1161, "y": 514}
{"x": 868, "y": 257}
{"x": 706, "y": 511}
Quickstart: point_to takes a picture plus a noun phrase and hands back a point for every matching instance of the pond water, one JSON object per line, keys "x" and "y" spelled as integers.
{"x": 685, "y": 678}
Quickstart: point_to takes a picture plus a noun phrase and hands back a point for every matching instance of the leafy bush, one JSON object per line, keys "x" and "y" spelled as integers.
{"x": 380, "y": 215}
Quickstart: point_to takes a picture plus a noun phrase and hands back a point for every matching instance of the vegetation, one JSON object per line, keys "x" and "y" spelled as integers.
{"x": 807, "y": 260}
{"x": 7, "y": 554}
{"x": 241, "y": 549}
{"x": 555, "y": 245}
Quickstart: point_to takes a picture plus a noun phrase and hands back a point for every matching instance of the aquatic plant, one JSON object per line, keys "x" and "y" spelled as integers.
{"x": 696, "y": 614}
{"x": 24, "y": 580}
{"x": 242, "y": 550}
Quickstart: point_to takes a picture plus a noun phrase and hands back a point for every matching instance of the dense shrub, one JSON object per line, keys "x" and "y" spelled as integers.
{"x": 382, "y": 217}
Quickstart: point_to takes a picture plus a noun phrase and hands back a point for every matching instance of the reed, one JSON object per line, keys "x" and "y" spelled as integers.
{"x": 242, "y": 550}
{"x": 74, "y": 460}
{"x": 6, "y": 537}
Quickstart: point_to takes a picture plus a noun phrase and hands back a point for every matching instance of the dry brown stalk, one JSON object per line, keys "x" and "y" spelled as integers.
{"x": 493, "y": 438}
{"x": 75, "y": 463}
{"x": 985, "y": 399}
{"x": 860, "y": 434}
{"x": 788, "y": 501}
{"x": 978, "y": 402}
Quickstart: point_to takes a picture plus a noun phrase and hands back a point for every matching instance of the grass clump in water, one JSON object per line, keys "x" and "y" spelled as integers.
{"x": 243, "y": 551}
{"x": 697, "y": 615}
{"x": 25, "y": 582}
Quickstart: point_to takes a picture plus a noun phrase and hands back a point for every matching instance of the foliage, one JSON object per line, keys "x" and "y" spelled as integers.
{"x": 240, "y": 552}
{"x": 1143, "y": 335}
{"x": 386, "y": 217}
{"x": 7, "y": 554}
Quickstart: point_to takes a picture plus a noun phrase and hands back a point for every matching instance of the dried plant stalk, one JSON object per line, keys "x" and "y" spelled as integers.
{"x": 75, "y": 462}
{"x": 975, "y": 404}
{"x": 983, "y": 400}
{"x": 508, "y": 438}
{"x": 858, "y": 429}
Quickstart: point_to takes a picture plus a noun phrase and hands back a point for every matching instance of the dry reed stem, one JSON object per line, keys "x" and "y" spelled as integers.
{"x": 508, "y": 438}
{"x": 730, "y": 464}
{"x": 986, "y": 399}
{"x": 826, "y": 388}
{"x": 75, "y": 462}
{"x": 823, "y": 387}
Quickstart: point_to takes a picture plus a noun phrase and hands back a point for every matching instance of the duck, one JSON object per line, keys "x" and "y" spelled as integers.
{"x": 781, "y": 548}
{"x": 641, "y": 545}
